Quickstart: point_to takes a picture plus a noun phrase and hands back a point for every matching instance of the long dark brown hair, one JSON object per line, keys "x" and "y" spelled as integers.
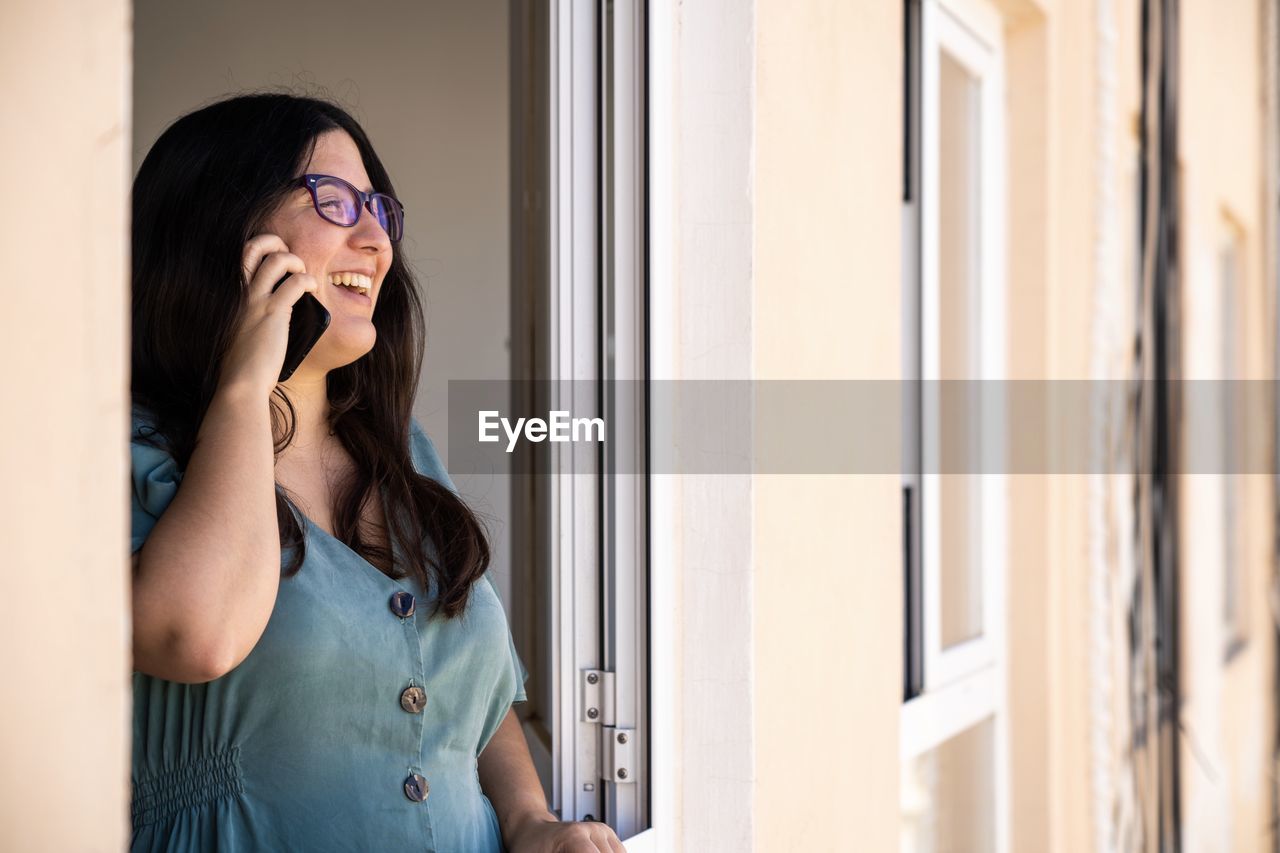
{"x": 207, "y": 185}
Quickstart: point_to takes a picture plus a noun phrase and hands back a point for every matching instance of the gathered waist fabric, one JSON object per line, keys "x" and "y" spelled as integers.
{"x": 157, "y": 796}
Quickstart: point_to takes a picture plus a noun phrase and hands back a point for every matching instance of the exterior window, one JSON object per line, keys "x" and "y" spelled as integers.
{"x": 954, "y": 720}
{"x": 953, "y": 787}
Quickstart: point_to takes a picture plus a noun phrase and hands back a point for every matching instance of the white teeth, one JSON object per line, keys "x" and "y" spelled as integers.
{"x": 354, "y": 280}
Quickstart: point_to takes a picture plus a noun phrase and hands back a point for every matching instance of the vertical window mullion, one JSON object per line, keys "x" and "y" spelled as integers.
{"x": 913, "y": 601}
{"x": 623, "y": 359}
{"x": 574, "y": 346}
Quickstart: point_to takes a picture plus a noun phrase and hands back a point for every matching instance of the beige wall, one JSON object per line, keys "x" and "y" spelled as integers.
{"x": 1067, "y": 332}
{"x": 1027, "y": 75}
{"x": 1229, "y": 706}
{"x": 64, "y": 134}
{"x": 827, "y": 563}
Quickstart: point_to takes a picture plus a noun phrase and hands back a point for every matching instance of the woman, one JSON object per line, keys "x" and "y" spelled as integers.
{"x": 321, "y": 662}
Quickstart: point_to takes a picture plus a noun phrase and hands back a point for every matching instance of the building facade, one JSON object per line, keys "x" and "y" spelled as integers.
{"x": 1068, "y": 646}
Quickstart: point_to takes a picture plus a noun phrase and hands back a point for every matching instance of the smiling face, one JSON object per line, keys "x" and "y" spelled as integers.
{"x": 329, "y": 251}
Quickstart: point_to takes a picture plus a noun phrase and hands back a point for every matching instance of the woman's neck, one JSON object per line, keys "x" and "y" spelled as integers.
{"x": 310, "y": 398}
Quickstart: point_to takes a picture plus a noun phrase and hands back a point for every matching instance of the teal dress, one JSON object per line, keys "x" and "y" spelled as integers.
{"x": 348, "y": 727}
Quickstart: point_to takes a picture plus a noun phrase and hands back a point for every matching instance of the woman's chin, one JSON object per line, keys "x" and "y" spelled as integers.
{"x": 344, "y": 350}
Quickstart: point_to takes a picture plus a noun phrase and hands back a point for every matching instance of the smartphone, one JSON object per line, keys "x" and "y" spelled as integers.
{"x": 306, "y": 324}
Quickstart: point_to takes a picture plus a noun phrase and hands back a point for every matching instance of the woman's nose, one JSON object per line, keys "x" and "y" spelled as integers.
{"x": 368, "y": 232}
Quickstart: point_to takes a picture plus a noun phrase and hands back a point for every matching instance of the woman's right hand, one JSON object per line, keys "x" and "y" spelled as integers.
{"x": 257, "y": 352}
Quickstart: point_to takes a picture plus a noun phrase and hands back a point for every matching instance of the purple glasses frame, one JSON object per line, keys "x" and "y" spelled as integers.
{"x": 394, "y": 222}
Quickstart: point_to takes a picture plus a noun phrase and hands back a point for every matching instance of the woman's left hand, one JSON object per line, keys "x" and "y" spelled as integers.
{"x": 548, "y": 835}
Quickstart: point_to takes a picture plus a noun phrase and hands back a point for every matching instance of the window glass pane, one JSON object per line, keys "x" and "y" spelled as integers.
{"x": 948, "y": 795}
{"x": 959, "y": 212}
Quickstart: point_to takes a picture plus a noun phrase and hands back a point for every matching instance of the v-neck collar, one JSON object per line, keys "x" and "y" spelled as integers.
{"x": 409, "y": 580}
{"x": 355, "y": 554}
{"x": 401, "y": 583}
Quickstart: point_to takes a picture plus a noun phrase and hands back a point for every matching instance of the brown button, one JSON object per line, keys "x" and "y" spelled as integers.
{"x": 413, "y": 700}
{"x": 402, "y": 604}
{"x": 416, "y": 788}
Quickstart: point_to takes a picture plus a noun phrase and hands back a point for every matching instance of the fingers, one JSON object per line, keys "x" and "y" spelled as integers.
{"x": 255, "y": 249}
{"x": 576, "y": 837}
{"x": 291, "y": 291}
{"x": 601, "y": 839}
{"x": 273, "y": 268}
{"x": 266, "y": 259}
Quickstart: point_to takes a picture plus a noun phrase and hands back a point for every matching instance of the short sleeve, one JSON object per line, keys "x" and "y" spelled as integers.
{"x": 425, "y": 457}
{"x": 428, "y": 462}
{"x": 522, "y": 674}
{"x": 155, "y": 478}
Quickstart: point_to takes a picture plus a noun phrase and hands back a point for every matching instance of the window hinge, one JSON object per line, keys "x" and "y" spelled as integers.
{"x": 617, "y": 745}
{"x": 597, "y": 697}
{"x": 617, "y": 754}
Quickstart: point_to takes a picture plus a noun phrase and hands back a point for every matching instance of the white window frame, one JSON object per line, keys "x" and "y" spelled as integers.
{"x": 573, "y": 516}
{"x": 599, "y": 561}
{"x": 624, "y": 371}
{"x": 663, "y": 489}
{"x": 944, "y": 31}
{"x": 965, "y": 684}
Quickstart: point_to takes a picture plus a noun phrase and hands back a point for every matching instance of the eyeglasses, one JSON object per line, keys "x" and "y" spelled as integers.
{"x": 339, "y": 202}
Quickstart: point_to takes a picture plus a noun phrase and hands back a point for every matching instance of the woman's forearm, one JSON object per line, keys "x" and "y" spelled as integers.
{"x": 510, "y": 780}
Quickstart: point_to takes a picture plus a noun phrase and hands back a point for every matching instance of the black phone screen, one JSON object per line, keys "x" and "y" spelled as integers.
{"x": 306, "y": 324}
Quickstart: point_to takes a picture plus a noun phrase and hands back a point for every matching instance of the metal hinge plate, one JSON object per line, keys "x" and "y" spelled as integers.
{"x": 597, "y": 696}
{"x": 617, "y": 755}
